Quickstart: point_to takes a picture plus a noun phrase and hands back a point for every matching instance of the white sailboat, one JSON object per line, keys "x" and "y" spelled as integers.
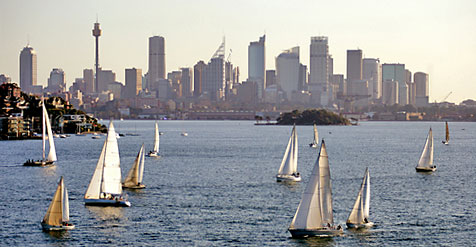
{"x": 57, "y": 216}
{"x": 105, "y": 188}
{"x": 133, "y": 179}
{"x": 447, "y": 135}
{"x": 425, "y": 164}
{"x": 47, "y": 135}
{"x": 359, "y": 216}
{"x": 315, "y": 141}
{"x": 314, "y": 216}
{"x": 288, "y": 170}
{"x": 155, "y": 151}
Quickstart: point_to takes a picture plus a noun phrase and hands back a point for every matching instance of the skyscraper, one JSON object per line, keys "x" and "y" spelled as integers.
{"x": 187, "y": 82}
{"x": 372, "y": 72}
{"x": 396, "y": 72}
{"x": 133, "y": 82}
{"x": 28, "y": 70}
{"x": 156, "y": 58}
{"x": 56, "y": 82}
{"x": 354, "y": 70}
{"x": 287, "y": 71}
{"x": 422, "y": 88}
{"x": 319, "y": 70}
{"x": 257, "y": 64}
{"x": 214, "y": 83}
{"x": 198, "y": 78}
{"x": 88, "y": 77}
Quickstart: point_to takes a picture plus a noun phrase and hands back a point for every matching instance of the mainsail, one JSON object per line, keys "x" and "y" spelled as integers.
{"x": 54, "y": 215}
{"x": 315, "y": 209}
{"x": 289, "y": 163}
{"x": 134, "y": 177}
{"x": 361, "y": 209}
{"x": 426, "y": 159}
{"x": 156, "y": 139}
{"x": 52, "y": 153}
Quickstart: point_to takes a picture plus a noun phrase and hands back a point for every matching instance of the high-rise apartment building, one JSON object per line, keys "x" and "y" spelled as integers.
{"x": 319, "y": 71}
{"x": 198, "y": 78}
{"x": 257, "y": 64}
{"x": 422, "y": 89}
{"x": 156, "y": 59}
{"x": 287, "y": 71}
{"x": 28, "y": 69}
{"x": 354, "y": 70}
{"x": 133, "y": 82}
{"x": 372, "y": 72}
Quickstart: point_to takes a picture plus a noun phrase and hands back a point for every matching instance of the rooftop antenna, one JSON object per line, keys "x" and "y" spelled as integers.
{"x": 28, "y": 40}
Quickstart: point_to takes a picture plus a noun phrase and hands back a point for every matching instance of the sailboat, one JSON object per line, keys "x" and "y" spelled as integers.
{"x": 447, "y": 136}
{"x": 359, "y": 216}
{"x": 315, "y": 141}
{"x": 425, "y": 164}
{"x": 105, "y": 187}
{"x": 57, "y": 216}
{"x": 155, "y": 151}
{"x": 134, "y": 177}
{"x": 47, "y": 135}
{"x": 314, "y": 216}
{"x": 288, "y": 170}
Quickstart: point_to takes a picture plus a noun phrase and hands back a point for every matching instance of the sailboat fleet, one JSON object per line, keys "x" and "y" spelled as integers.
{"x": 313, "y": 216}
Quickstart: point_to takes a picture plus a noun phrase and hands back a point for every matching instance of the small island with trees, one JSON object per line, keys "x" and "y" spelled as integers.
{"x": 310, "y": 117}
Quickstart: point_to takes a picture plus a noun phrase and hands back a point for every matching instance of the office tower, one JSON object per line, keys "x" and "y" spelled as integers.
{"x": 287, "y": 71}
{"x": 257, "y": 64}
{"x": 371, "y": 72}
{"x": 56, "y": 82}
{"x": 104, "y": 77}
{"x": 354, "y": 69}
{"x": 270, "y": 77}
{"x": 229, "y": 78}
{"x": 28, "y": 70}
{"x": 319, "y": 70}
{"x": 133, "y": 82}
{"x": 198, "y": 78}
{"x": 340, "y": 84}
{"x": 214, "y": 83}
{"x": 175, "y": 78}
{"x": 187, "y": 82}
{"x": 389, "y": 92}
{"x": 156, "y": 58}
{"x": 88, "y": 77}
{"x": 396, "y": 72}
{"x": 96, "y": 34}
{"x": 302, "y": 82}
{"x": 422, "y": 88}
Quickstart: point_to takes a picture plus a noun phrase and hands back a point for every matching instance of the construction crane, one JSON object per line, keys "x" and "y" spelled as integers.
{"x": 446, "y": 97}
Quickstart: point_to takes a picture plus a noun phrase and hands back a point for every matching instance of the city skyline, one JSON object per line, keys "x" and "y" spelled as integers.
{"x": 427, "y": 36}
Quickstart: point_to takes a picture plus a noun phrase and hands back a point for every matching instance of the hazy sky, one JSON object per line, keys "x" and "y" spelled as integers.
{"x": 433, "y": 36}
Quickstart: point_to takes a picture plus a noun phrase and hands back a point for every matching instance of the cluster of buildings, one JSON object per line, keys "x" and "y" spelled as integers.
{"x": 216, "y": 84}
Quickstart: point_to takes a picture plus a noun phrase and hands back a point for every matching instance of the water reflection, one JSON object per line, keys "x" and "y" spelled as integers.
{"x": 57, "y": 234}
{"x": 314, "y": 241}
{"x": 107, "y": 213}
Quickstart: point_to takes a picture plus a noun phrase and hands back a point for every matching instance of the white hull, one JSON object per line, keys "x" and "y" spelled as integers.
{"x": 313, "y": 145}
{"x": 425, "y": 169}
{"x": 360, "y": 226}
{"x": 153, "y": 154}
{"x": 107, "y": 202}
{"x": 47, "y": 227}
{"x": 288, "y": 178}
{"x": 325, "y": 232}
{"x": 184, "y": 134}
{"x": 445, "y": 142}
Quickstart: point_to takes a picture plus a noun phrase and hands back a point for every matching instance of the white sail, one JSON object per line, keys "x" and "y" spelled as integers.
{"x": 316, "y": 135}
{"x": 315, "y": 208}
{"x": 52, "y": 152}
{"x": 94, "y": 188}
{"x": 156, "y": 139}
{"x": 289, "y": 163}
{"x": 134, "y": 176}
{"x": 65, "y": 201}
{"x": 426, "y": 159}
{"x": 111, "y": 177}
{"x": 361, "y": 208}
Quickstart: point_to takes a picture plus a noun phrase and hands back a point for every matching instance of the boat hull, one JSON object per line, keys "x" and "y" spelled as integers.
{"x": 140, "y": 186}
{"x": 288, "y": 178}
{"x": 39, "y": 163}
{"x": 48, "y": 228}
{"x": 425, "y": 169}
{"x": 321, "y": 232}
{"x": 445, "y": 142}
{"x": 153, "y": 154}
{"x": 107, "y": 203}
{"x": 359, "y": 226}
{"x": 313, "y": 145}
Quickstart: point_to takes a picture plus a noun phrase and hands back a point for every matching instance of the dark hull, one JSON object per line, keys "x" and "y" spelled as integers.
{"x": 39, "y": 163}
{"x": 425, "y": 169}
{"x": 323, "y": 232}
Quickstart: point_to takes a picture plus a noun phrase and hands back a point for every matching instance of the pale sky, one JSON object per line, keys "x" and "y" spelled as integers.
{"x": 433, "y": 36}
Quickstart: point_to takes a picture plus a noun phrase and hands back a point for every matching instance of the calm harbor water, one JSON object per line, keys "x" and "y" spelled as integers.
{"x": 217, "y": 187}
